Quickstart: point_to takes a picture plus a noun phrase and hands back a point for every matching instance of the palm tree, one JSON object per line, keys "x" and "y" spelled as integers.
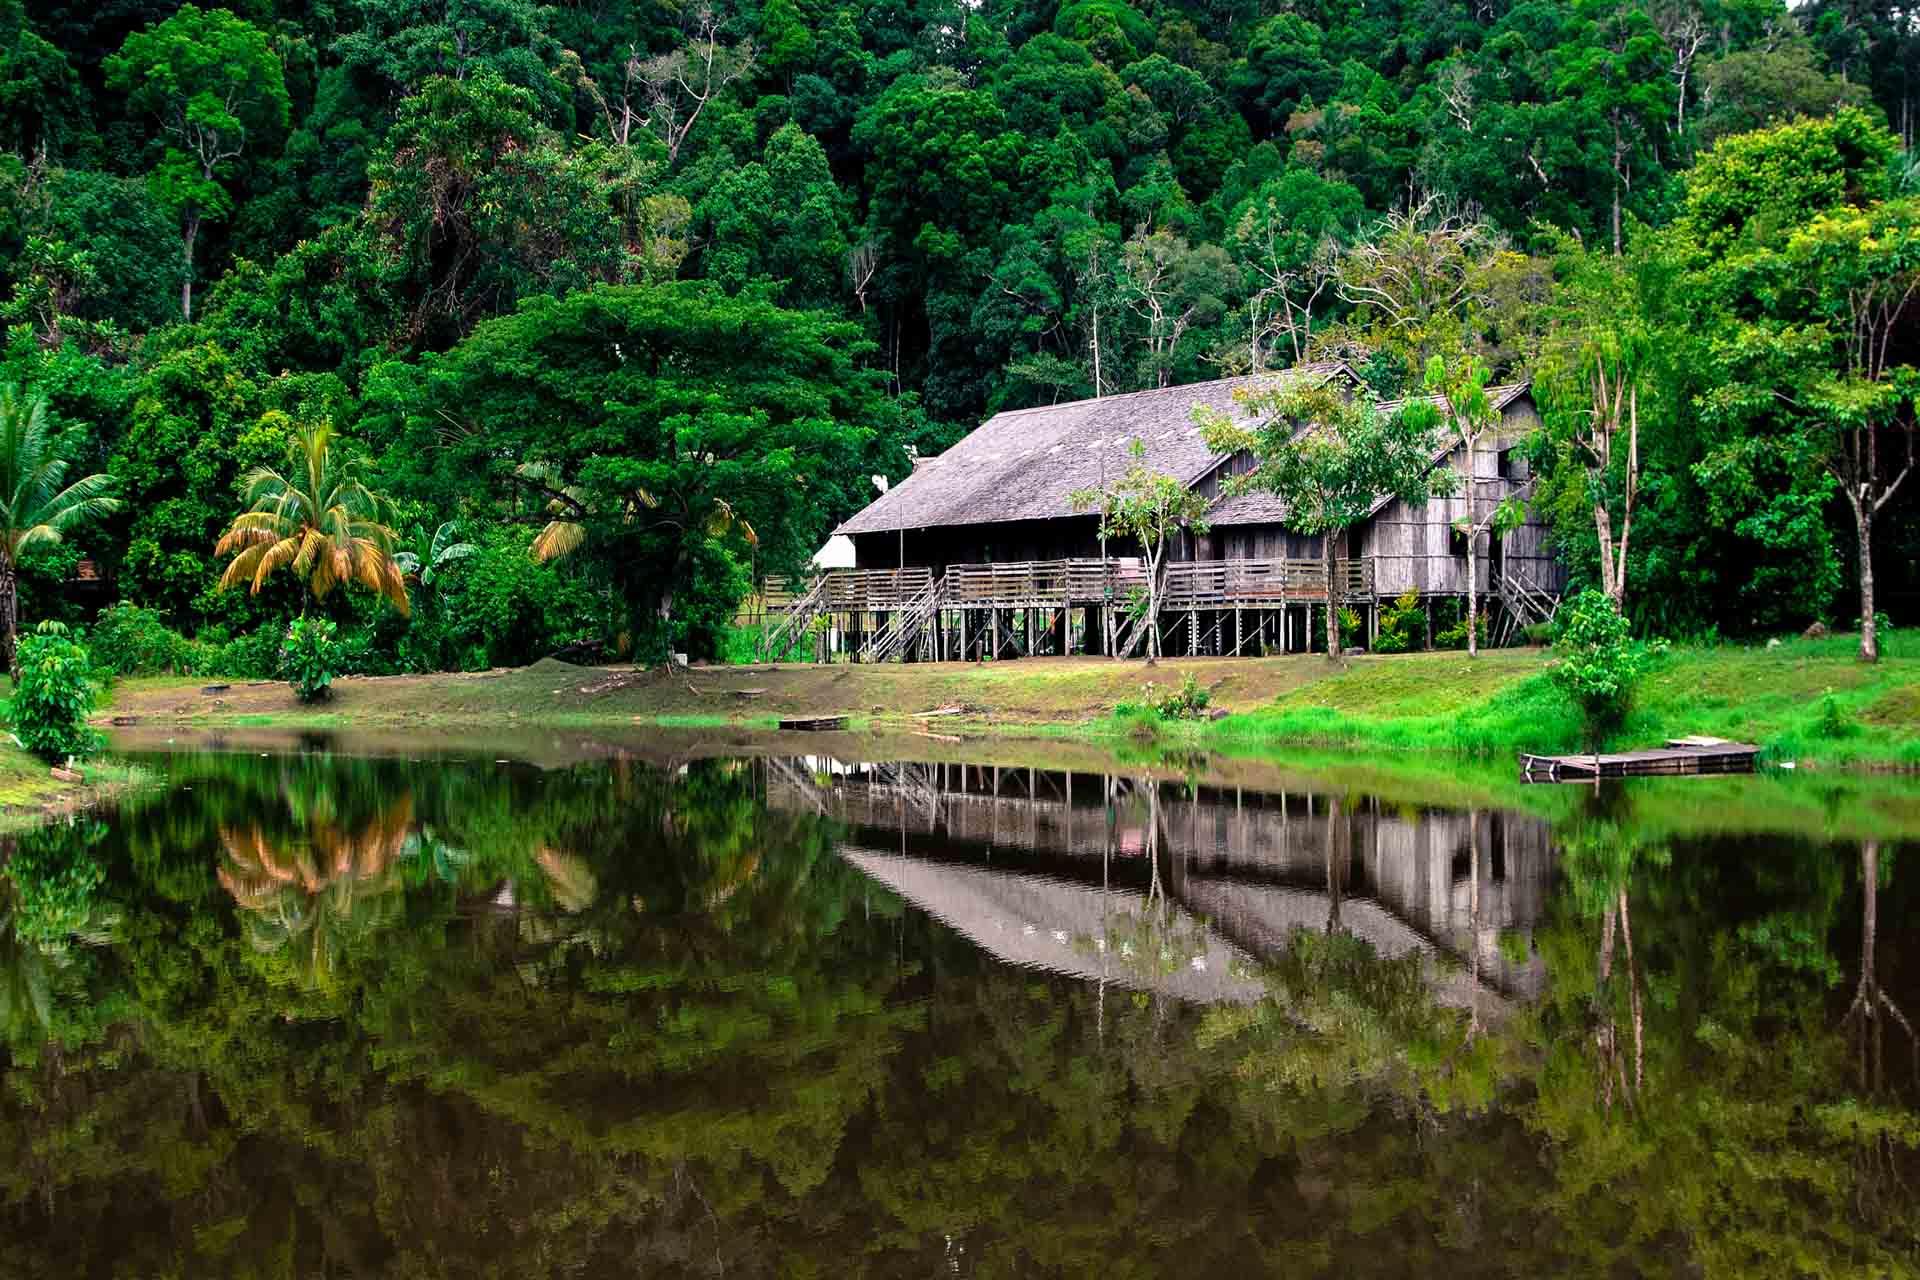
{"x": 35, "y": 510}
{"x": 322, "y": 521}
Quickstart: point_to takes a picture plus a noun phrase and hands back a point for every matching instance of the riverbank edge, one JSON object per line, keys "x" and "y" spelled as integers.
{"x": 30, "y": 796}
{"x": 1809, "y": 704}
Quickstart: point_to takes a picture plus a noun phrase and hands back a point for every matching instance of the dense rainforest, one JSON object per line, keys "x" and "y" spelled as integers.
{"x": 607, "y": 307}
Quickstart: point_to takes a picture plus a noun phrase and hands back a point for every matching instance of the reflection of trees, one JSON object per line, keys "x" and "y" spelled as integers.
{"x": 1600, "y": 855}
{"x": 1141, "y": 946}
{"x": 313, "y": 894}
{"x": 771, "y": 1067}
{"x": 1863, "y": 1019}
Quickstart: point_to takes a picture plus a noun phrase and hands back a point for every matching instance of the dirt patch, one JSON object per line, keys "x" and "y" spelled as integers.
{"x": 1900, "y": 707}
{"x": 1039, "y": 690}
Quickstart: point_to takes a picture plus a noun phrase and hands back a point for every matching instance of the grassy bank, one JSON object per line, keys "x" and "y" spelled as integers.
{"x": 30, "y": 794}
{"x": 1806, "y": 700}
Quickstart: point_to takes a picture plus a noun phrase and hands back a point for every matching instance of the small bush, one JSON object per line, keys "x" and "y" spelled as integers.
{"x": 249, "y": 657}
{"x": 1400, "y": 623}
{"x": 1188, "y": 702}
{"x": 51, "y": 697}
{"x": 1538, "y": 634}
{"x": 132, "y": 640}
{"x": 1454, "y": 635}
{"x": 1834, "y": 723}
{"x": 1353, "y": 627}
{"x": 1598, "y": 662}
{"x": 311, "y": 658}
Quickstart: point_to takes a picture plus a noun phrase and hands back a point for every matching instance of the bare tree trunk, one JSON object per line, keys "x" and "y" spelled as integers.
{"x": 1473, "y": 585}
{"x": 1152, "y": 620}
{"x": 1633, "y": 491}
{"x": 1619, "y": 157}
{"x": 190, "y": 233}
{"x": 9, "y": 613}
{"x": 1603, "y": 528}
{"x": 1331, "y": 559}
{"x": 1863, "y": 527}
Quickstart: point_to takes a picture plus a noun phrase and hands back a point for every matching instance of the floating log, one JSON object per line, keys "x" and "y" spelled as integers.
{"x": 1681, "y": 756}
{"x": 815, "y": 723}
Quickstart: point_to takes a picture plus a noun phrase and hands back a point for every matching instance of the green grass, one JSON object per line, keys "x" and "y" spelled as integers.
{"x": 1504, "y": 703}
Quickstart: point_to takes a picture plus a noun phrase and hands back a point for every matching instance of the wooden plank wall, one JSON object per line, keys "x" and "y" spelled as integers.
{"x": 1413, "y": 547}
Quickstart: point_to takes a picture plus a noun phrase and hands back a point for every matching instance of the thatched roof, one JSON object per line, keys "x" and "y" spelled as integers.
{"x": 1022, "y": 465}
{"x": 1267, "y": 508}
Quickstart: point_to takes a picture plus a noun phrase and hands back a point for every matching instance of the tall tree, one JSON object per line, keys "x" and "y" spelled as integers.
{"x": 647, "y": 414}
{"x": 1414, "y": 284}
{"x": 1809, "y": 276}
{"x": 1331, "y": 457}
{"x": 1458, "y": 400}
{"x": 1595, "y": 370}
{"x": 1150, "y": 507}
{"x": 216, "y": 86}
{"x": 36, "y": 507}
{"x": 1862, "y": 268}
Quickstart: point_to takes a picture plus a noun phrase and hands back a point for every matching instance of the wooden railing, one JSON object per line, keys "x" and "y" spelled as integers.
{"x": 859, "y": 589}
{"x": 778, "y": 593}
{"x": 1210, "y": 584}
{"x": 1022, "y": 583}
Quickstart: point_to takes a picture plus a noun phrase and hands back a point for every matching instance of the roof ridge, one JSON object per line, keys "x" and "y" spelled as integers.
{"x": 1311, "y": 366}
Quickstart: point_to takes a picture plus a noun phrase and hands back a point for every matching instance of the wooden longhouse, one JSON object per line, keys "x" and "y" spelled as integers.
{"x": 980, "y": 552}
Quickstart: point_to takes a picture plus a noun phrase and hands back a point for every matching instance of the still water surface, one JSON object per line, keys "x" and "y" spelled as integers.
{"x": 316, "y": 1013}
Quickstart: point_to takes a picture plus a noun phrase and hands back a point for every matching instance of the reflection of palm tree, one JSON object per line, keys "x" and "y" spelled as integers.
{"x": 315, "y": 891}
{"x": 569, "y": 877}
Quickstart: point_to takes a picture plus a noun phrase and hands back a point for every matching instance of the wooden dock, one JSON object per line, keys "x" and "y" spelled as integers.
{"x": 1680, "y": 756}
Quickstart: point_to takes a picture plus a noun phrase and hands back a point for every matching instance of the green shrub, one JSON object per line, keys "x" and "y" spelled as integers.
{"x": 1454, "y": 634}
{"x": 504, "y": 609}
{"x": 1188, "y": 702}
{"x": 1400, "y": 623}
{"x": 1538, "y": 634}
{"x": 255, "y": 656}
{"x": 1834, "y": 722}
{"x": 310, "y": 659}
{"x": 1353, "y": 627}
{"x": 1598, "y": 663}
{"x": 52, "y": 695}
{"x": 133, "y": 640}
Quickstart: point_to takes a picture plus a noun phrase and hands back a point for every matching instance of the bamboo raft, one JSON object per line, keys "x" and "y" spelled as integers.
{"x": 1680, "y": 756}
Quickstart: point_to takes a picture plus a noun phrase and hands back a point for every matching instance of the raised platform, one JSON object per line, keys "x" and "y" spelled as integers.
{"x": 1679, "y": 756}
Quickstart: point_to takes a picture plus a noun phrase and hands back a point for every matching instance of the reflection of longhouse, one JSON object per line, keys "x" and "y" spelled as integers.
{"x": 1254, "y": 865}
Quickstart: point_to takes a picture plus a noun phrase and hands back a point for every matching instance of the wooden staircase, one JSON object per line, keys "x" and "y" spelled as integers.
{"x": 906, "y": 625}
{"x": 797, "y": 621}
{"x": 1524, "y": 605}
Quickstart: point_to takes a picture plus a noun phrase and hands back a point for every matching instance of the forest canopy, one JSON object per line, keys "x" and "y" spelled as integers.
{"x": 635, "y": 298}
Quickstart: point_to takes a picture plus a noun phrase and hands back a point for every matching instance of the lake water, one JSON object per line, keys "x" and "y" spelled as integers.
{"x": 318, "y": 1009}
